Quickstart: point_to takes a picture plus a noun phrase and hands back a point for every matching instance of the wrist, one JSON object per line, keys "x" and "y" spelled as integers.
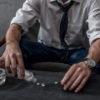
{"x": 90, "y": 63}
{"x": 13, "y": 35}
{"x": 93, "y": 56}
{"x": 12, "y": 42}
{"x": 87, "y": 65}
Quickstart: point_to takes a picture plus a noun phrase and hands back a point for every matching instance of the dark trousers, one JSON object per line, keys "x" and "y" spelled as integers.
{"x": 34, "y": 52}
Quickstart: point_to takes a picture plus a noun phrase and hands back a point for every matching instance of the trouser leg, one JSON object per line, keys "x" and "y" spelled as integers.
{"x": 34, "y": 52}
{"x": 37, "y": 52}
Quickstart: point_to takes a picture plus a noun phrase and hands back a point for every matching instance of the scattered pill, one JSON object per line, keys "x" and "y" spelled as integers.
{"x": 37, "y": 84}
{"x": 55, "y": 82}
{"x": 34, "y": 80}
{"x": 43, "y": 85}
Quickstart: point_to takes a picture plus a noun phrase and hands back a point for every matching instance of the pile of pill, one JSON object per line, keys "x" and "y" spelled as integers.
{"x": 30, "y": 77}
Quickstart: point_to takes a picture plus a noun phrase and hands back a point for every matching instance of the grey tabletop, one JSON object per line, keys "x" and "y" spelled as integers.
{"x": 15, "y": 89}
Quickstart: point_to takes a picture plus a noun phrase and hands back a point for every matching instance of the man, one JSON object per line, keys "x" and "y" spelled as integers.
{"x": 75, "y": 19}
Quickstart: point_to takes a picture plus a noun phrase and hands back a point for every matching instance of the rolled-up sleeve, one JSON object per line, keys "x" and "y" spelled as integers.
{"x": 94, "y": 21}
{"x": 28, "y": 14}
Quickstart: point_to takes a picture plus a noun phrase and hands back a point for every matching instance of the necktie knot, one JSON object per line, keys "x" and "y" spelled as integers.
{"x": 66, "y": 7}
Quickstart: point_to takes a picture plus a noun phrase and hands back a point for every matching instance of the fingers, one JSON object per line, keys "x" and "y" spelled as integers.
{"x": 76, "y": 77}
{"x": 13, "y": 57}
{"x": 77, "y": 82}
{"x": 83, "y": 82}
{"x": 72, "y": 79}
{"x": 68, "y": 74}
{"x": 21, "y": 65}
{"x": 7, "y": 64}
{"x": 13, "y": 65}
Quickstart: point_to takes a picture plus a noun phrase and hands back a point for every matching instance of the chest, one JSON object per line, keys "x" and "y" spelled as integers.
{"x": 77, "y": 16}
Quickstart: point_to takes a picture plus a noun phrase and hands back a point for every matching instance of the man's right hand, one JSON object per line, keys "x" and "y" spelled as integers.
{"x": 12, "y": 57}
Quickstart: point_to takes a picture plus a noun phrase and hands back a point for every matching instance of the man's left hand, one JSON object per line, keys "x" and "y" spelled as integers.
{"x": 76, "y": 77}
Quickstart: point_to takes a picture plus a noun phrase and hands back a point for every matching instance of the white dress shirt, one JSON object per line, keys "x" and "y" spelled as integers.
{"x": 83, "y": 21}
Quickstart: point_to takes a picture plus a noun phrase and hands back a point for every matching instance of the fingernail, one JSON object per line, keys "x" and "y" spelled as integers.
{"x": 22, "y": 76}
{"x": 76, "y": 91}
{"x": 65, "y": 89}
{"x": 15, "y": 75}
{"x": 62, "y": 83}
{"x": 9, "y": 71}
{"x": 70, "y": 89}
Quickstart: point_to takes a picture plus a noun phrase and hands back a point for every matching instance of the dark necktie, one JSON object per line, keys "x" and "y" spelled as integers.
{"x": 64, "y": 23}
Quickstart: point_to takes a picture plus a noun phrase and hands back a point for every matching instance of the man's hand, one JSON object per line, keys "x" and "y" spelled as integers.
{"x": 76, "y": 77}
{"x": 12, "y": 57}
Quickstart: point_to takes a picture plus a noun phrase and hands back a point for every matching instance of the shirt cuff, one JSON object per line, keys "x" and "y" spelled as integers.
{"x": 20, "y": 23}
{"x": 93, "y": 37}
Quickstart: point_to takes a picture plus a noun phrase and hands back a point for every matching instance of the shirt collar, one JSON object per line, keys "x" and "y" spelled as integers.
{"x": 78, "y": 1}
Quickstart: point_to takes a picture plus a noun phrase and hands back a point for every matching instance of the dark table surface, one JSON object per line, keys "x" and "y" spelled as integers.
{"x": 15, "y": 89}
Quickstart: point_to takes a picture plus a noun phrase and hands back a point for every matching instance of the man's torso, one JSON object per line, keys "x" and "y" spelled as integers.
{"x": 49, "y": 15}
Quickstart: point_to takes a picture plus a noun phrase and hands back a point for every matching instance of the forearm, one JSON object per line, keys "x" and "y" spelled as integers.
{"x": 13, "y": 34}
{"x": 94, "y": 51}
{"x": 12, "y": 56}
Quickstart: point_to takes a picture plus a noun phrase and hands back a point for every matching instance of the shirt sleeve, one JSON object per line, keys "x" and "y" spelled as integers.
{"x": 94, "y": 21}
{"x": 28, "y": 14}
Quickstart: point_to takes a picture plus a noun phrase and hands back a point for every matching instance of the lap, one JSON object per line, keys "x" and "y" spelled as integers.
{"x": 34, "y": 52}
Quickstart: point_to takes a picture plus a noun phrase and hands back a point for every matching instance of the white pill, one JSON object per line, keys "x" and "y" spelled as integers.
{"x": 55, "y": 82}
{"x": 43, "y": 85}
{"x": 34, "y": 80}
{"x": 37, "y": 84}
